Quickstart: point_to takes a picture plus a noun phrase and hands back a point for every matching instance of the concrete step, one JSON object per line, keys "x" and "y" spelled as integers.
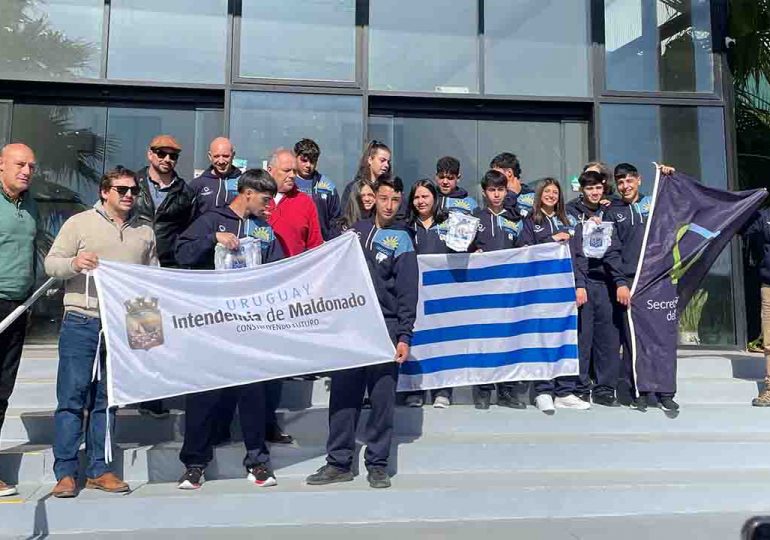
{"x": 311, "y": 425}
{"x": 419, "y": 501}
{"x": 431, "y": 455}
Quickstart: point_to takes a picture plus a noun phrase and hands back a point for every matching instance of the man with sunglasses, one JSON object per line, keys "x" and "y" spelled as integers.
{"x": 165, "y": 202}
{"x": 112, "y": 231}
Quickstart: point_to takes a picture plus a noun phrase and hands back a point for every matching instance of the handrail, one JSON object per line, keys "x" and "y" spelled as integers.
{"x": 16, "y": 313}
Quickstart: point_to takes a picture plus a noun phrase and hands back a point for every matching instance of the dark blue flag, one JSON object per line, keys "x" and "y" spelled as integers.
{"x": 689, "y": 226}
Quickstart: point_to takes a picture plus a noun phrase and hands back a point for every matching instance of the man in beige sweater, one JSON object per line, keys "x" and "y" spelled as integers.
{"x": 108, "y": 231}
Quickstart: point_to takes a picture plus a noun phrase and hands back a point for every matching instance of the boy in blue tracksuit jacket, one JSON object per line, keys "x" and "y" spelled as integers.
{"x": 519, "y": 197}
{"x": 630, "y": 214}
{"x": 498, "y": 229}
{"x": 451, "y": 197}
{"x": 392, "y": 264}
{"x": 208, "y": 413}
{"x": 598, "y": 280}
{"x": 320, "y": 188}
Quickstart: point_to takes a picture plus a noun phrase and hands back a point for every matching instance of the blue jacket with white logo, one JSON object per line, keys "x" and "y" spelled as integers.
{"x": 392, "y": 264}
{"x": 195, "y": 246}
{"x": 458, "y": 201}
{"x": 430, "y": 240}
{"x": 609, "y": 266}
{"x": 541, "y": 233}
{"x": 630, "y": 221}
{"x": 326, "y": 198}
{"x": 497, "y": 231}
{"x": 758, "y": 233}
{"x": 212, "y": 191}
{"x": 520, "y": 203}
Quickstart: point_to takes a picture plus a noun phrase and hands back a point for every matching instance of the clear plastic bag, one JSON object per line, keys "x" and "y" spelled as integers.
{"x": 461, "y": 231}
{"x": 248, "y": 255}
{"x": 597, "y": 238}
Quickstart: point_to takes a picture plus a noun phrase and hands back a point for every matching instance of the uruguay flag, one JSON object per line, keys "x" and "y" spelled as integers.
{"x": 492, "y": 317}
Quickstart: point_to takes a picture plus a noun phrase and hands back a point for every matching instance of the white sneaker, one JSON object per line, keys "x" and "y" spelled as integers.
{"x": 441, "y": 402}
{"x": 571, "y": 402}
{"x": 544, "y": 403}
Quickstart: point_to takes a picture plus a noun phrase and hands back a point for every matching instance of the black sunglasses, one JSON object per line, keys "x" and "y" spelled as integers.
{"x": 122, "y": 190}
{"x": 162, "y": 154}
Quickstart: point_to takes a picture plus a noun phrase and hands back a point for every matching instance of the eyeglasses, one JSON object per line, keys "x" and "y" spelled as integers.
{"x": 162, "y": 154}
{"x": 122, "y": 190}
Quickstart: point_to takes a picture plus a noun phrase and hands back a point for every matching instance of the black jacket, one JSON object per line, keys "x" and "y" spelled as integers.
{"x": 630, "y": 221}
{"x": 326, "y": 199}
{"x": 497, "y": 231}
{"x": 212, "y": 191}
{"x": 170, "y": 219}
{"x": 758, "y": 233}
{"x": 195, "y": 247}
{"x": 609, "y": 267}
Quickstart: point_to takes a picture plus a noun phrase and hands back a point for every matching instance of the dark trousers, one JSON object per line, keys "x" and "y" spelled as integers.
{"x": 228, "y": 402}
{"x": 347, "y": 393}
{"x": 11, "y": 343}
{"x": 273, "y": 391}
{"x": 202, "y": 418}
{"x": 514, "y": 387}
{"x": 77, "y": 392}
{"x": 445, "y": 392}
{"x": 558, "y": 387}
{"x": 599, "y": 341}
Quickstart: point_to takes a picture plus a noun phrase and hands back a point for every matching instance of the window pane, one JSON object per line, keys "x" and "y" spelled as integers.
{"x": 262, "y": 121}
{"x": 130, "y": 130}
{"x": 55, "y": 39}
{"x": 299, "y": 39}
{"x": 659, "y": 45}
{"x": 168, "y": 41}
{"x": 425, "y": 46}
{"x": 209, "y": 124}
{"x": 692, "y": 140}
{"x": 546, "y": 37}
{"x": 69, "y": 143}
{"x": 5, "y": 122}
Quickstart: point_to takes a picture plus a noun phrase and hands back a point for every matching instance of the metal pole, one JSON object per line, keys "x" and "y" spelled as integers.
{"x": 16, "y": 313}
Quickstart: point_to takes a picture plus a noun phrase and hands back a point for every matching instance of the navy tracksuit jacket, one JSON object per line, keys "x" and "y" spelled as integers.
{"x": 326, "y": 198}
{"x": 392, "y": 263}
{"x": 599, "y": 336}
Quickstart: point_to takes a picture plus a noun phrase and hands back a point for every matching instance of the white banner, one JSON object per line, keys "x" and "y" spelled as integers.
{"x": 171, "y": 332}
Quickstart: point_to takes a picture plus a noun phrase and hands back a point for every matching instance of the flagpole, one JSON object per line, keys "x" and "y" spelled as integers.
{"x": 653, "y": 203}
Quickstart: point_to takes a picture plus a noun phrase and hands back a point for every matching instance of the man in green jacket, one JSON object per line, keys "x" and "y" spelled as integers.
{"x": 18, "y": 227}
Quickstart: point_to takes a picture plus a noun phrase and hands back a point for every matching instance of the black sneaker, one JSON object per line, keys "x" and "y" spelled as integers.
{"x": 277, "y": 436}
{"x": 378, "y": 477}
{"x": 191, "y": 479}
{"x": 640, "y": 404}
{"x": 585, "y": 396}
{"x": 261, "y": 475}
{"x": 667, "y": 403}
{"x": 606, "y": 400}
{"x": 482, "y": 399}
{"x": 505, "y": 398}
{"x": 154, "y": 409}
{"x": 329, "y": 474}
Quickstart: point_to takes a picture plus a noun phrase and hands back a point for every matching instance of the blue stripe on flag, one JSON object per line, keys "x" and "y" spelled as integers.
{"x": 501, "y": 271}
{"x": 490, "y": 360}
{"x": 493, "y": 301}
{"x": 496, "y": 330}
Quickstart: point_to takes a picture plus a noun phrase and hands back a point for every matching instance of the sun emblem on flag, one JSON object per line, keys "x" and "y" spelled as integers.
{"x": 390, "y": 242}
{"x": 463, "y": 204}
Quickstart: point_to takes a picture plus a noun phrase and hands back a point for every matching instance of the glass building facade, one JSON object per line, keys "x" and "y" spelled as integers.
{"x": 87, "y": 83}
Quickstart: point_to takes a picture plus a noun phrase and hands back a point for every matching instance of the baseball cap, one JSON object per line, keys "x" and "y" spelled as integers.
{"x": 165, "y": 141}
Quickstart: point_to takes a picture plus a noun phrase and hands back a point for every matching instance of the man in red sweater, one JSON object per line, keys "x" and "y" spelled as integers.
{"x": 294, "y": 219}
{"x": 293, "y": 215}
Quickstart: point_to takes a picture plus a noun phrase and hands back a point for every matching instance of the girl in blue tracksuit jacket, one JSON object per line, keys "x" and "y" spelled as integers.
{"x": 549, "y": 222}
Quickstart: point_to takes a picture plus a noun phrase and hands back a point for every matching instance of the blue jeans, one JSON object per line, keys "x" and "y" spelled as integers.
{"x": 76, "y": 393}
